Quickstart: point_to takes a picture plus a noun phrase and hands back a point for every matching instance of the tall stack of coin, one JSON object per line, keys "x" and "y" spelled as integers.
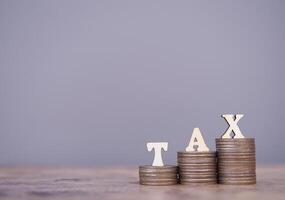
{"x": 156, "y": 175}
{"x": 236, "y": 161}
{"x": 197, "y": 167}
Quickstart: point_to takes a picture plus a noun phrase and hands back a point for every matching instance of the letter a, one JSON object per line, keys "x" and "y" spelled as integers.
{"x": 232, "y": 120}
{"x": 197, "y": 140}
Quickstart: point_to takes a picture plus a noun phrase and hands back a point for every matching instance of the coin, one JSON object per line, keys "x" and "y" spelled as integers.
{"x": 236, "y": 140}
{"x": 158, "y": 183}
{"x": 237, "y": 175}
{"x": 160, "y": 176}
{"x": 248, "y": 182}
{"x": 197, "y": 182}
{"x": 236, "y": 161}
{"x": 166, "y": 168}
{"x": 197, "y": 167}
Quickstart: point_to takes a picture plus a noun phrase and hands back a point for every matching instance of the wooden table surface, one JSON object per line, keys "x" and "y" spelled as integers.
{"x": 122, "y": 183}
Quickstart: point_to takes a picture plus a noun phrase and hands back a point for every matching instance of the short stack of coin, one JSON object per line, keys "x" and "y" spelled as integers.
{"x": 197, "y": 167}
{"x": 236, "y": 161}
{"x": 160, "y": 176}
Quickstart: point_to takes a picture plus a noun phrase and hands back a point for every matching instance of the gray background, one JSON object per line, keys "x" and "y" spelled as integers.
{"x": 90, "y": 82}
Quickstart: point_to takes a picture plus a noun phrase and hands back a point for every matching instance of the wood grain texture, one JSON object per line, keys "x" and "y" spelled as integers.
{"x": 122, "y": 183}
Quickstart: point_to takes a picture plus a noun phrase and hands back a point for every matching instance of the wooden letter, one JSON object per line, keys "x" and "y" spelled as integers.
{"x": 197, "y": 142}
{"x": 232, "y": 120}
{"x": 157, "y": 146}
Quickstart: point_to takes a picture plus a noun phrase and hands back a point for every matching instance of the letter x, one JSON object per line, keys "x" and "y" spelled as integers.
{"x": 232, "y": 120}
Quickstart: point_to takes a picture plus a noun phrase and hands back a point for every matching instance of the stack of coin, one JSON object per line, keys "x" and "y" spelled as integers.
{"x": 236, "y": 161}
{"x": 153, "y": 175}
{"x": 197, "y": 167}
